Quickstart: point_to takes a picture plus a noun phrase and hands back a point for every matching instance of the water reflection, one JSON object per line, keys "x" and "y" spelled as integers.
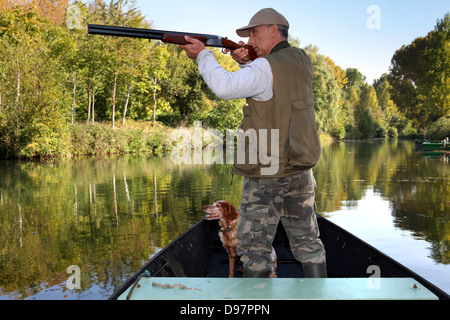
{"x": 417, "y": 188}
{"x": 369, "y": 220}
{"x": 394, "y": 198}
{"x": 108, "y": 216}
{"x": 105, "y": 215}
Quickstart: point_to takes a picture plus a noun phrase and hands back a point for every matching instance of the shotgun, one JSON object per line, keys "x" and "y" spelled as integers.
{"x": 174, "y": 37}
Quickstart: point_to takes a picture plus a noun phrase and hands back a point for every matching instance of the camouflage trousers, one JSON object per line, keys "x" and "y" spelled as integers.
{"x": 267, "y": 201}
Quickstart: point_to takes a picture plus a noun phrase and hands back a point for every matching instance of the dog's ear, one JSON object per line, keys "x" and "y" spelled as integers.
{"x": 229, "y": 211}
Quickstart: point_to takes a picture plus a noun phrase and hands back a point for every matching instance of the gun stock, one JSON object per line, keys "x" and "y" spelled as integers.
{"x": 228, "y": 44}
{"x": 174, "y": 37}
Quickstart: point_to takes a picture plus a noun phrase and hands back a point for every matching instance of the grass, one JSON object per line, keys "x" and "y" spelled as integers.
{"x": 134, "y": 137}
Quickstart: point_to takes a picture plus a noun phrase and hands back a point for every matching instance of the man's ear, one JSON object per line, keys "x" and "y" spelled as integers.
{"x": 274, "y": 30}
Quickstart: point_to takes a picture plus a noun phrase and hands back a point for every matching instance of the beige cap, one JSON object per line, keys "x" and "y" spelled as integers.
{"x": 263, "y": 16}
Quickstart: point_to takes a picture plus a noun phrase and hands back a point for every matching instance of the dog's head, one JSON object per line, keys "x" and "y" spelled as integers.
{"x": 221, "y": 210}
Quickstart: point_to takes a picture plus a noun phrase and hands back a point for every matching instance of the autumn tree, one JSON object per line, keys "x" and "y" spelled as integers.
{"x": 54, "y": 10}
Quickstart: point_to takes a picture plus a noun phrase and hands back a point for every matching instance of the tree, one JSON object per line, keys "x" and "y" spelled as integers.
{"x": 122, "y": 54}
{"x": 339, "y": 74}
{"x": 436, "y": 89}
{"x": 420, "y": 73}
{"x": 34, "y": 100}
{"x": 326, "y": 91}
{"x": 53, "y": 10}
{"x": 183, "y": 87}
{"x": 406, "y": 72}
{"x": 369, "y": 100}
{"x": 355, "y": 79}
{"x": 386, "y": 104}
{"x": 366, "y": 125}
{"x": 156, "y": 65}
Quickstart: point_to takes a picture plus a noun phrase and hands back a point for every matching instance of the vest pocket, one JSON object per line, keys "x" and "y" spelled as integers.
{"x": 303, "y": 104}
{"x": 303, "y": 144}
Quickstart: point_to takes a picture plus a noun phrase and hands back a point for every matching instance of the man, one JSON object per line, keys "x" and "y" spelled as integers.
{"x": 279, "y": 84}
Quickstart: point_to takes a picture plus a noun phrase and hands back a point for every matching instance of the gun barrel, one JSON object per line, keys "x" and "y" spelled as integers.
{"x": 121, "y": 31}
{"x": 140, "y": 32}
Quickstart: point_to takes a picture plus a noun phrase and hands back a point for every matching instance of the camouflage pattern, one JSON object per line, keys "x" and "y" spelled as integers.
{"x": 266, "y": 201}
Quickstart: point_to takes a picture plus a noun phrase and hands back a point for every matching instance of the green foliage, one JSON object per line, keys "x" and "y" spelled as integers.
{"x": 225, "y": 115}
{"x": 367, "y": 125}
{"x": 380, "y": 130}
{"x": 326, "y": 91}
{"x": 33, "y": 101}
{"x": 409, "y": 131}
{"x": 355, "y": 79}
{"x": 338, "y": 132}
{"x": 420, "y": 76}
{"x": 439, "y": 130}
{"x": 392, "y": 133}
{"x": 101, "y": 139}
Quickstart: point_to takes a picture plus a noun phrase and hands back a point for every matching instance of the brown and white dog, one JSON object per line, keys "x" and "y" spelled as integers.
{"x": 228, "y": 218}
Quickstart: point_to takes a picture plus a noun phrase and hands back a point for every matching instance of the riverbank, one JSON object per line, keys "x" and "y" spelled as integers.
{"x": 99, "y": 139}
{"x": 88, "y": 139}
{"x": 134, "y": 137}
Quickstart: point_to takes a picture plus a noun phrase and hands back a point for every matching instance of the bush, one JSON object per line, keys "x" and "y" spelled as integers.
{"x": 338, "y": 132}
{"x": 100, "y": 139}
{"x": 380, "y": 130}
{"x": 350, "y": 131}
{"x": 392, "y": 133}
{"x": 171, "y": 119}
{"x": 366, "y": 125}
{"x": 407, "y": 131}
{"x": 46, "y": 141}
{"x": 439, "y": 130}
{"x": 225, "y": 115}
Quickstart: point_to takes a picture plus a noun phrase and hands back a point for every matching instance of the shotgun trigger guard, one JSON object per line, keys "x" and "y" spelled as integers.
{"x": 225, "y": 50}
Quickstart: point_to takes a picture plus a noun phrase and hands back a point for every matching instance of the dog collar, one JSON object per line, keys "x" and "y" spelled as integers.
{"x": 229, "y": 228}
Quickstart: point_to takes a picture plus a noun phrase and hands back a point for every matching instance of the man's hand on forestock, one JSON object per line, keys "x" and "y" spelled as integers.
{"x": 194, "y": 48}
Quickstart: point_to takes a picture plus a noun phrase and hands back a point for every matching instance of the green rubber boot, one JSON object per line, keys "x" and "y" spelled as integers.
{"x": 255, "y": 274}
{"x": 315, "y": 270}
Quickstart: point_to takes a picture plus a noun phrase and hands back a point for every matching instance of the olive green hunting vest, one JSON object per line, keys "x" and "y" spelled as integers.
{"x": 280, "y": 135}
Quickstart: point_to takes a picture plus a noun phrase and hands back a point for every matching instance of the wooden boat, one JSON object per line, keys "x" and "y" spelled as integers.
{"x": 195, "y": 266}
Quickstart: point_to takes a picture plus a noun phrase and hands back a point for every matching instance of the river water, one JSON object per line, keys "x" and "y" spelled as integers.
{"x": 107, "y": 216}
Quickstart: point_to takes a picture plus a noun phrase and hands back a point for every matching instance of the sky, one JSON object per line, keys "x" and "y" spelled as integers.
{"x": 362, "y": 34}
